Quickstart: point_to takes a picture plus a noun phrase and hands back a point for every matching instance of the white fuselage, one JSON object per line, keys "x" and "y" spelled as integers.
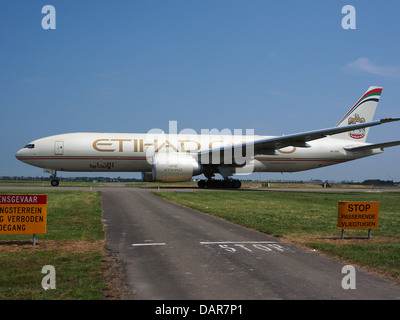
{"x": 121, "y": 152}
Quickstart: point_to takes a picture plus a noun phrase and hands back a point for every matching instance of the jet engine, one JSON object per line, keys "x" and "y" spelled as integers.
{"x": 174, "y": 167}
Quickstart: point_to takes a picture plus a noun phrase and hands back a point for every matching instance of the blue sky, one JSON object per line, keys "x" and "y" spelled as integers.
{"x": 277, "y": 67}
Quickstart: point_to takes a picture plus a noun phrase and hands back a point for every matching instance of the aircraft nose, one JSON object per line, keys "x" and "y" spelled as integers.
{"x": 21, "y": 154}
{"x": 18, "y": 155}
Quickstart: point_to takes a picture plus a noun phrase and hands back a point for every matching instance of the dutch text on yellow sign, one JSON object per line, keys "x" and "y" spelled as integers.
{"x": 358, "y": 214}
{"x": 23, "y": 214}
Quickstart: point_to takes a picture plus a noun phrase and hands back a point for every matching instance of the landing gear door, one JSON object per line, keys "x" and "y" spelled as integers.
{"x": 59, "y": 148}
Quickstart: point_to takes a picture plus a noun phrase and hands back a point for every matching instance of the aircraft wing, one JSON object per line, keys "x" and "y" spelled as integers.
{"x": 301, "y": 139}
{"x": 268, "y": 146}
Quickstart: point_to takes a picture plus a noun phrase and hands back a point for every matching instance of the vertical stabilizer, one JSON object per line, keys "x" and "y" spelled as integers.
{"x": 362, "y": 111}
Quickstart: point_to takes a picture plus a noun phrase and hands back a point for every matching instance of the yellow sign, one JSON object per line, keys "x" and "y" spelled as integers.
{"x": 23, "y": 214}
{"x": 358, "y": 215}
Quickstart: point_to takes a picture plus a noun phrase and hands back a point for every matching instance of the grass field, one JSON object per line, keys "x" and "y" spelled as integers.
{"x": 73, "y": 244}
{"x": 13, "y": 183}
{"x": 74, "y": 241}
{"x": 309, "y": 219}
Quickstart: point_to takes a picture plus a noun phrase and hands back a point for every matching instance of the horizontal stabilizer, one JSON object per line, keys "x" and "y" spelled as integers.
{"x": 374, "y": 146}
{"x": 386, "y": 120}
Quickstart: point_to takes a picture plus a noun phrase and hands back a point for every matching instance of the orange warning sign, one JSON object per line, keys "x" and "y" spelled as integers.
{"x": 23, "y": 214}
{"x": 358, "y": 215}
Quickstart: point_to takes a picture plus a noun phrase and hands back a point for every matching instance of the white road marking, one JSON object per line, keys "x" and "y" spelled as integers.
{"x": 238, "y": 242}
{"x": 249, "y": 246}
{"x": 148, "y": 244}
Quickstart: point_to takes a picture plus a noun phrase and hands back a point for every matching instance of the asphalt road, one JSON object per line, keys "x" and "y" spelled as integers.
{"x": 172, "y": 252}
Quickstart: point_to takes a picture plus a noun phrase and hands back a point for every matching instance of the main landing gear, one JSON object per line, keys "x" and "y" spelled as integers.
{"x": 219, "y": 184}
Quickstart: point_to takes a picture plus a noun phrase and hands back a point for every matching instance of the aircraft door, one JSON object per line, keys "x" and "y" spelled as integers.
{"x": 59, "y": 148}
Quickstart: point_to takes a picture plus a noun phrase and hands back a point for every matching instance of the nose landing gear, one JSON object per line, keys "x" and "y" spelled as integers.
{"x": 54, "y": 180}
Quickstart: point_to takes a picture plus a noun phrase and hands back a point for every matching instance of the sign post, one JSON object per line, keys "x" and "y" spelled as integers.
{"x": 358, "y": 215}
{"x": 23, "y": 214}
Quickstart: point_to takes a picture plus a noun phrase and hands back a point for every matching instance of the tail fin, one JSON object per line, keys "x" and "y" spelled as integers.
{"x": 362, "y": 111}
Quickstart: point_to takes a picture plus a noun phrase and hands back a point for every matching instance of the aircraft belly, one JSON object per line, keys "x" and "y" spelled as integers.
{"x": 94, "y": 164}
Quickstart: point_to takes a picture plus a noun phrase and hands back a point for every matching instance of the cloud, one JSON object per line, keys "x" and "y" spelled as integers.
{"x": 365, "y": 65}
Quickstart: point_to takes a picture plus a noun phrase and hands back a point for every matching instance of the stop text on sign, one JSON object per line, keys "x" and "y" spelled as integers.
{"x": 23, "y": 214}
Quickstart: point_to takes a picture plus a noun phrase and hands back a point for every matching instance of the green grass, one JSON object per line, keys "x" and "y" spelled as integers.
{"x": 72, "y": 244}
{"x": 78, "y": 275}
{"x": 46, "y": 183}
{"x": 308, "y": 218}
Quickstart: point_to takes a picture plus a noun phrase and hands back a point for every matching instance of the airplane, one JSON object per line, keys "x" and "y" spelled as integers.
{"x": 179, "y": 157}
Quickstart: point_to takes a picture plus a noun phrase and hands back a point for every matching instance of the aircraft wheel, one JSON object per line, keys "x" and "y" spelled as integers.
{"x": 55, "y": 182}
{"x": 213, "y": 184}
{"x": 201, "y": 184}
{"x": 236, "y": 184}
{"x": 227, "y": 184}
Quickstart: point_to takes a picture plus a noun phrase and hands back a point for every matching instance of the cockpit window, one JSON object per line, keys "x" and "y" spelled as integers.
{"x": 29, "y": 146}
